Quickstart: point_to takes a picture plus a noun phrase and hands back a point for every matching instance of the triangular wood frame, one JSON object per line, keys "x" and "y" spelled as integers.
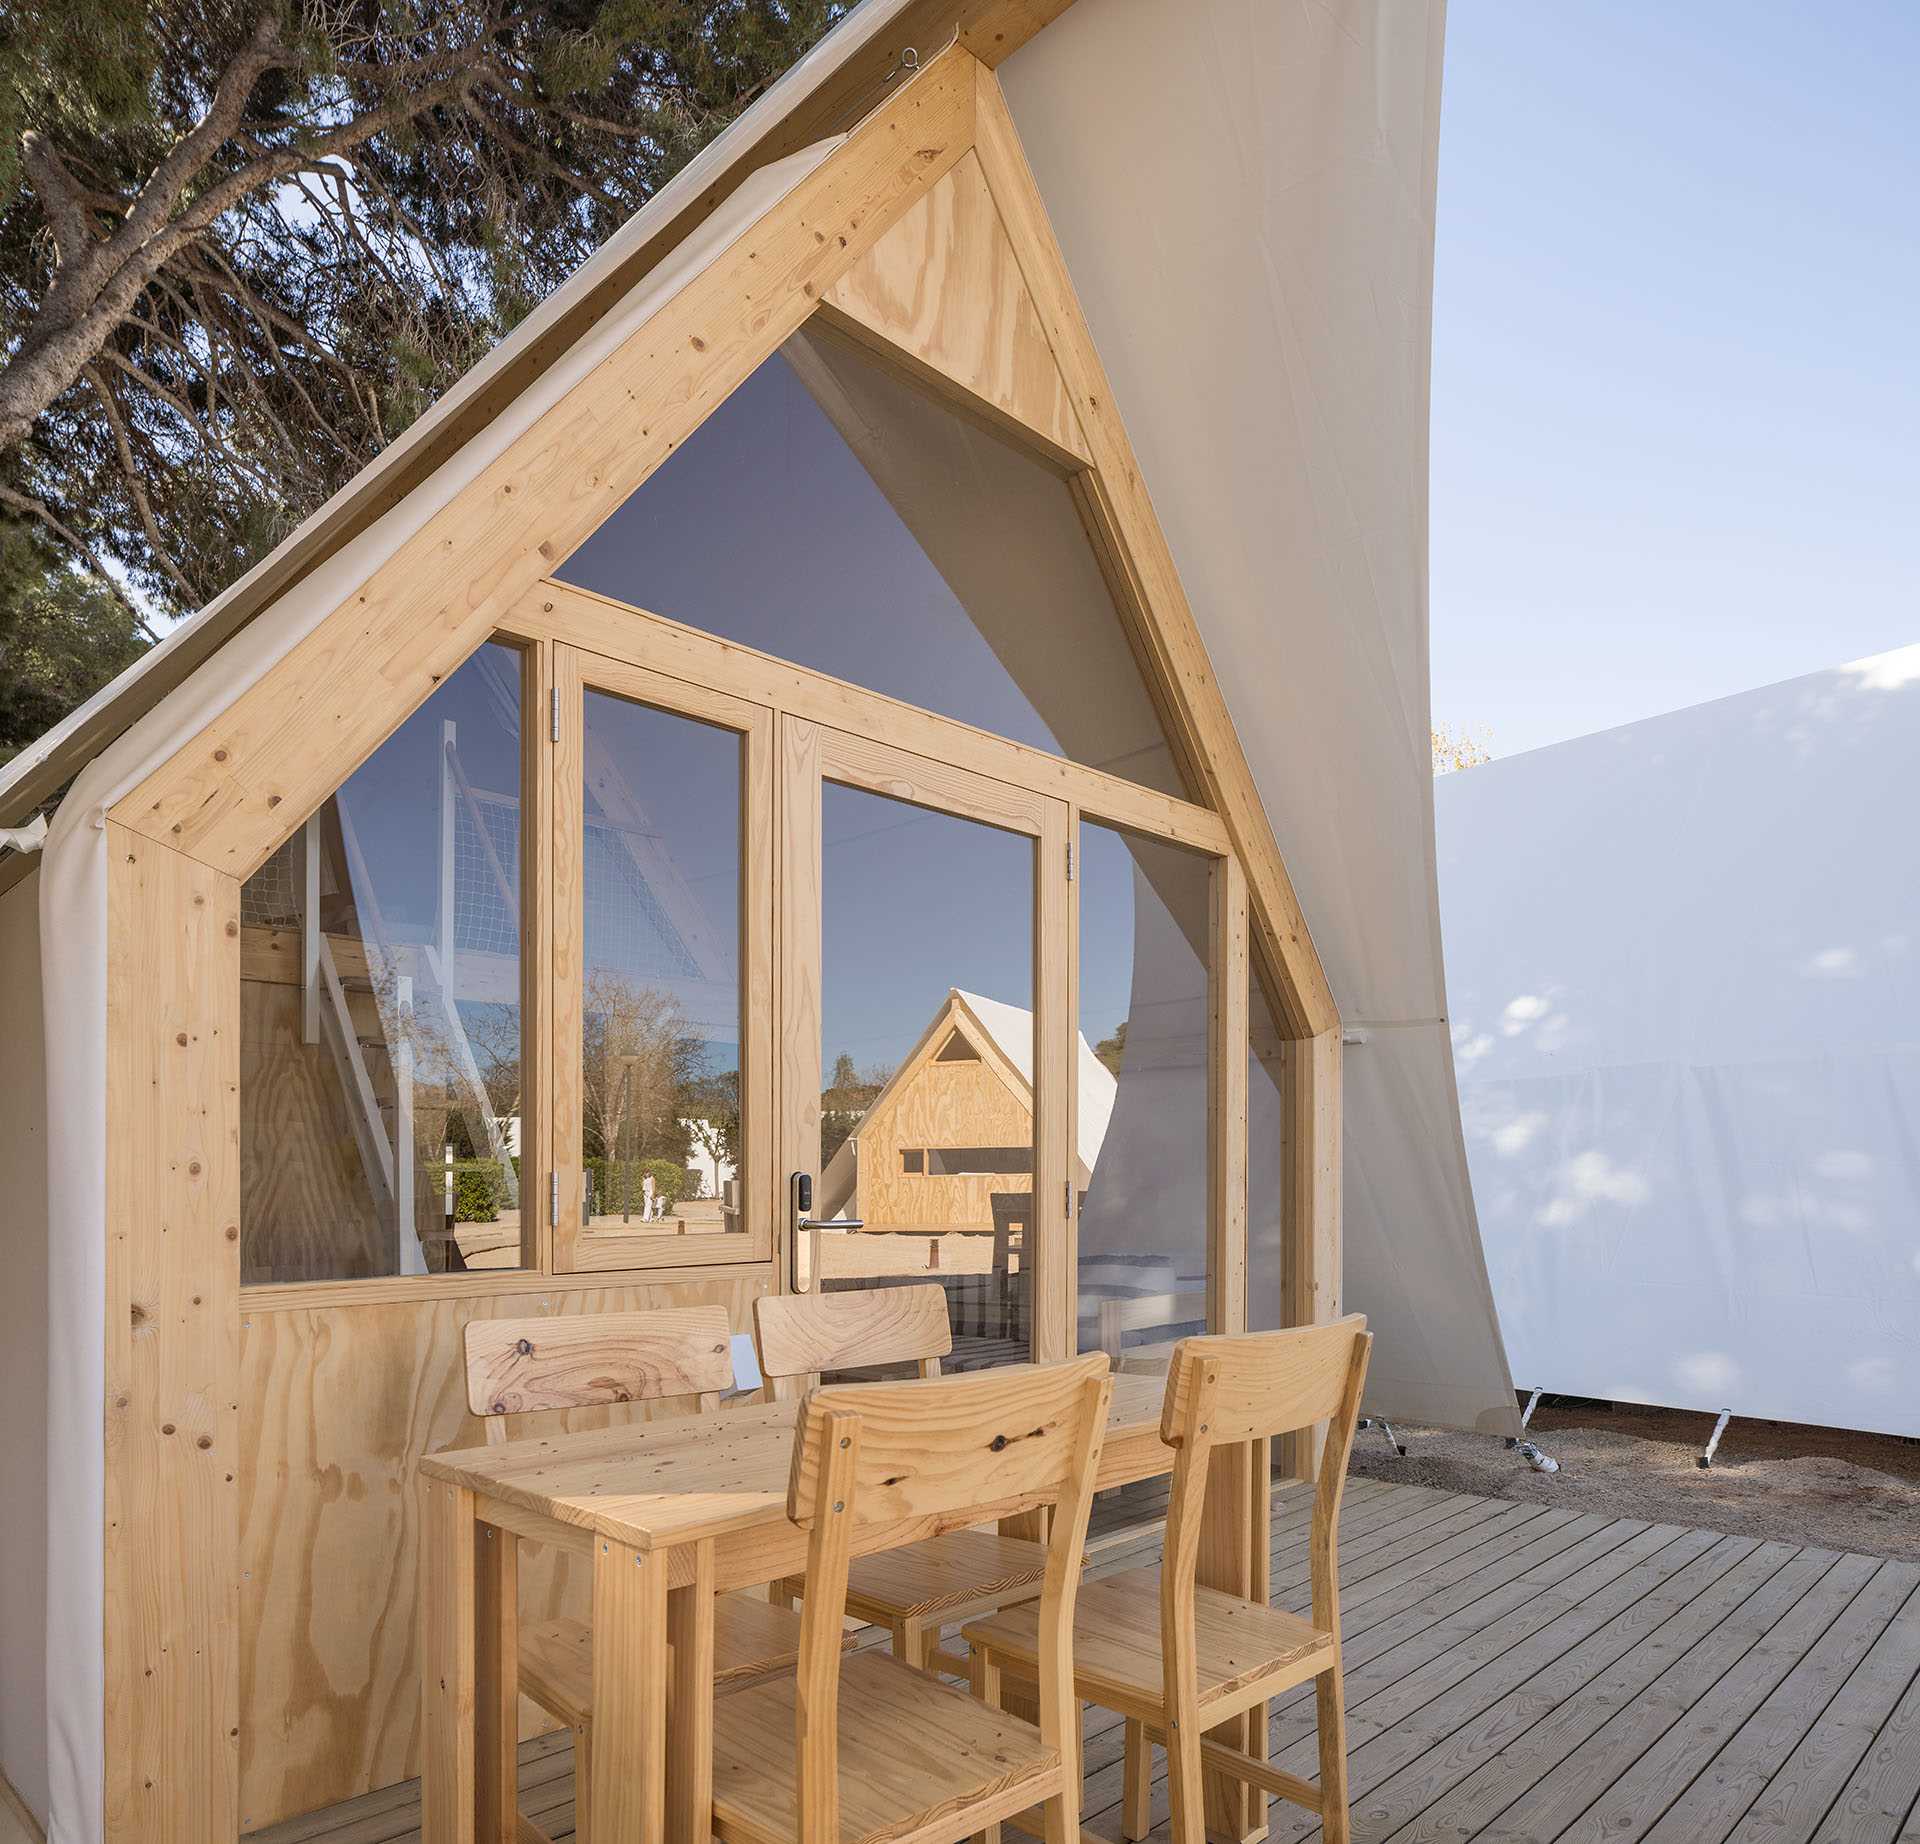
{"x": 180, "y": 844}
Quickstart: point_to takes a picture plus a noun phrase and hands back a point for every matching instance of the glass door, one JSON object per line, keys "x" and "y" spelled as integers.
{"x": 924, "y": 1119}
{"x": 663, "y": 916}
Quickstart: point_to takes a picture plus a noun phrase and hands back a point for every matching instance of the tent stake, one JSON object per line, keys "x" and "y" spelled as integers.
{"x": 1713, "y": 1439}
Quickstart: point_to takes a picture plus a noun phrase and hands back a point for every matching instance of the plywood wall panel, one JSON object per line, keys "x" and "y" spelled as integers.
{"x": 337, "y": 1405}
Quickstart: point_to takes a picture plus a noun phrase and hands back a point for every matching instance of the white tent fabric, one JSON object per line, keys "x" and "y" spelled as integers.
{"x": 73, "y": 912}
{"x": 1685, "y": 956}
{"x": 1245, "y": 198}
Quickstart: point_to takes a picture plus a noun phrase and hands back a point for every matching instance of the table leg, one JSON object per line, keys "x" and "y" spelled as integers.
{"x": 629, "y": 1695}
{"x": 690, "y": 1704}
{"x": 497, "y": 1686}
{"x": 1228, "y": 1544}
{"x": 447, "y": 1664}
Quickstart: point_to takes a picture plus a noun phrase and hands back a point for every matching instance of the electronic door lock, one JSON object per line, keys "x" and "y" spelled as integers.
{"x": 800, "y": 1209}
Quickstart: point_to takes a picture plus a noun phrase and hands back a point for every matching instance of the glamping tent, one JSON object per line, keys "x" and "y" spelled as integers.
{"x": 1687, "y": 1019}
{"x": 955, "y": 536}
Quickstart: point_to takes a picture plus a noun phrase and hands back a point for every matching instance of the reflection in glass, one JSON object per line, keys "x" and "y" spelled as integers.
{"x": 926, "y": 1106}
{"x": 660, "y": 1000}
{"x": 891, "y": 544}
{"x": 380, "y": 1019}
{"x": 1145, "y": 948}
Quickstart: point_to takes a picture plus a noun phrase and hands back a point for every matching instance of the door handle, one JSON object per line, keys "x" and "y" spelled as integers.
{"x": 800, "y": 1207}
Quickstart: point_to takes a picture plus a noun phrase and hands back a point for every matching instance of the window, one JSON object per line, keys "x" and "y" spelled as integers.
{"x": 660, "y": 1064}
{"x": 927, "y": 935}
{"x": 980, "y": 1161}
{"x": 1145, "y": 1013}
{"x": 832, "y": 515}
{"x": 381, "y": 1109}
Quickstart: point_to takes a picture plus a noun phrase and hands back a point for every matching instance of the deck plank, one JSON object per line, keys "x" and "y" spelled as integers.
{"x": 1521, "y": 1674}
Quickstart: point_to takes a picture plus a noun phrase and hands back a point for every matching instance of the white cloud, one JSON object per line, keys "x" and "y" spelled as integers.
{"x": 1589, "y": 1178}
{"x": 1513, "y": 1137}
{"x": 1834, "y": 964}
{"x": 1872, "y": 1375}
{"x": 1710, "y": 1373}
{"x": 1473, "y": 1049}
{"x": 1521, "y": 1012}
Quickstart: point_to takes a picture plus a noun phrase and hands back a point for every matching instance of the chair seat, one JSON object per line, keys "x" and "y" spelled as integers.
{"x": 749, "y": 1637}
{"x": 1116, "y": 1644}
{"x": 913, "y": 1752}
{"x": 962, "y": 1572}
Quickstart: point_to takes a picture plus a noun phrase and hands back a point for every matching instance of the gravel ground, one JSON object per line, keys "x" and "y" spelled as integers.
{"x": 1778, "y": 1481}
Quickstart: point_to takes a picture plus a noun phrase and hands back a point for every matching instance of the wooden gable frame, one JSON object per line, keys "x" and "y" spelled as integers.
{"x": 924, "y": 237}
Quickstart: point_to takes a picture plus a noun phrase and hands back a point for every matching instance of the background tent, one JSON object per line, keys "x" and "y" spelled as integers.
{"x": 1685, "y": 957}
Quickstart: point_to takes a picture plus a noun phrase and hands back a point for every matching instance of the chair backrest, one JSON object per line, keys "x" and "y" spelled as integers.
{"x": 877, "y": 1465}
{"x": 1224, "y": 1391}
{"x": 802, "y": 1334}
{"x": 583, "y": 1360}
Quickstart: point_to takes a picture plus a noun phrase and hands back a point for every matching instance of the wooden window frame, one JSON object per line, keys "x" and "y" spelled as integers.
{"x": 578, "y": 671}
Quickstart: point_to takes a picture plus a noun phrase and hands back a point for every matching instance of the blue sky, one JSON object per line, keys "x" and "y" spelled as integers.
{"x": 1676, "y": 383}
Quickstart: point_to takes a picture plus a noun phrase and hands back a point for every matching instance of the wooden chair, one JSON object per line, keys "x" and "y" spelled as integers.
{"x": 585, "y": 1360}
{"x": 913, "y": 1592}
{"x": 1176, "y": 1659}
{"x": 868, "y": 1748}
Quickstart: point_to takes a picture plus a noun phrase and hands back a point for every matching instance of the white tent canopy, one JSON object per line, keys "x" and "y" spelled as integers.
{"x": 1685, "y": 956}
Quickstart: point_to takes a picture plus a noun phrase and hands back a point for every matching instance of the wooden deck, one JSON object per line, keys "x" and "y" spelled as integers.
{"x": 1522, "y": 1674}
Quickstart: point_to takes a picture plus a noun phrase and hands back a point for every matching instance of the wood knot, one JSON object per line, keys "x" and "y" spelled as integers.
{"x": 525, "y": 1347}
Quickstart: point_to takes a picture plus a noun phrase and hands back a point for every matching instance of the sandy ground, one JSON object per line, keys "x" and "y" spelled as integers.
{"x": 1825, "y": 1487}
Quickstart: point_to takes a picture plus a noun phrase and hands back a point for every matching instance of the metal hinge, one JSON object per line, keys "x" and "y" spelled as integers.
{"x": 553, "y": 697}
{"x": 1069, "y": 861}
{"x": 1069, "y": 1188}
{"x": 553, "y": 1200}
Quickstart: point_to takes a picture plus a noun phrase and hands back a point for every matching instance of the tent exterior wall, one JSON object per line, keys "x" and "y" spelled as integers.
{"x": 1687, "y": 1025}
{"x": 24, "y": 1352}
{"x": 231, "y": 1466}
{"x": 1270, "y": 258}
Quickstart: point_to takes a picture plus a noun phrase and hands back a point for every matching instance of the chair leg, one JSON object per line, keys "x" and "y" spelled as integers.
{"x": 1186, "y": 1785}
{"x": 1330, "y": 1701}
{"x": 906, "y": 1641}
{"x": 1136, "y": 1818}
{"x": 985, "y": 1681}
{"x": 582, "y": 1784}
{"x": 926, "y": 1645}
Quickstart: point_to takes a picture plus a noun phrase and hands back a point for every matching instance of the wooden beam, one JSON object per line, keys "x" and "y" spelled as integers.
{"x": 1227, "y": 1109}
{"x": 1121, "y": 518}
{"x": 1312, "y": 1254}
{"x": 172, "y": 1627}
{"x": 230, "y": 797}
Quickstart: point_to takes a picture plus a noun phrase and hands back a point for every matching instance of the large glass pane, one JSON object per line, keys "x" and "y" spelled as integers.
{"x": 1145, "y": 946}
{"x": 926, "y": 1109}
{"x": 380, "y": 1020}
{"x": 660, "y": 1000}
{"x": 832, "y": 515}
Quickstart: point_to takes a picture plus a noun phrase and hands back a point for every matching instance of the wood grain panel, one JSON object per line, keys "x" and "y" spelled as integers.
{"x": 337, "y": 1406}
{"x": 941, "y": 298}
{"x": 173, "y": 1427}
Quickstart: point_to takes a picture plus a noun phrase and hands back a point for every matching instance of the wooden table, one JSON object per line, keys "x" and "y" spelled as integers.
{"x": 672, "y": 1512}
